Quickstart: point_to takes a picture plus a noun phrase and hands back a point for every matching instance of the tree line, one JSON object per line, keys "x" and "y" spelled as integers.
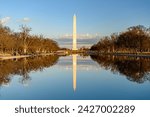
{"x": 135, "y": 39}
{"x": 21, "y": 43}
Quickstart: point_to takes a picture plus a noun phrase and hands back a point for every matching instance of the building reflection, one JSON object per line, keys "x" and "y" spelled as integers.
{"x": 74, "y": 59}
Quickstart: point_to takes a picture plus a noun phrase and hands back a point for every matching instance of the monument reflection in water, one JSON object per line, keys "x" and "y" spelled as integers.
{"x": 74, "y": 61}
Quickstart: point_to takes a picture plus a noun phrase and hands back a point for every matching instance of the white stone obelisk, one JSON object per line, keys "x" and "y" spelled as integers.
{"x": 74, "y": 33}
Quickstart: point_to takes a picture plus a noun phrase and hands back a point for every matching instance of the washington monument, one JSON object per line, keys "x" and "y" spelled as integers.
{"x": 74, "y": 33}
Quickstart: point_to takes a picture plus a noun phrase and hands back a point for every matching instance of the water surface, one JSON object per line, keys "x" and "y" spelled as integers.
{"x": 75, "y": 77}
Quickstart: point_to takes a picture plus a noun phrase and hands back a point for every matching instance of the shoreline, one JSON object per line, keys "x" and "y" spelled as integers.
{"x": 131, "y": 55}
{"x": 121, "y": 54}
{"x": 90, "y": 53}
{"x": 13, "y": 57}
{"x": 22, "y": 56}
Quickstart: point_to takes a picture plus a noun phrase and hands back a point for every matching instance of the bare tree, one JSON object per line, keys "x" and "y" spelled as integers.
{"x": 24, "y": 35}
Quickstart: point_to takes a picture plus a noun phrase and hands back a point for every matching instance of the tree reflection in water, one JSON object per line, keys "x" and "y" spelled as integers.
{"x": 136, "y": 69}
{"x": 23, "y": 67}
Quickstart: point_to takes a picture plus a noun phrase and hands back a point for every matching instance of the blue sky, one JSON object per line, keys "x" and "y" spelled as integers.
{"x": 53, "y": 18}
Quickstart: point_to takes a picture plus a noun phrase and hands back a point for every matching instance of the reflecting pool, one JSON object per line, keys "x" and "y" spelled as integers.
{"x": 75, "y": 77}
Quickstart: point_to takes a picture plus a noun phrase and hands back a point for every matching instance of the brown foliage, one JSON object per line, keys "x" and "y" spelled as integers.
{"x": 24, "y": 66}
{"x": 23, "y": 43}
{"x": 136, "y": 69}
{"x": 135, "y": 39}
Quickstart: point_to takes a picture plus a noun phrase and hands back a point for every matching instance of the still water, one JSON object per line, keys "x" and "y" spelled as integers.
{"x": 75, "y": 77}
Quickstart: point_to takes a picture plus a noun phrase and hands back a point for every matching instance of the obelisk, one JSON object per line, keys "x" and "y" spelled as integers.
{"x": 74, "y": 33}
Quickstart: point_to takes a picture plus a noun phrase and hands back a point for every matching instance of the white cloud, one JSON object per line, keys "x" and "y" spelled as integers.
{"x": 4, "y": 20}
{"x": 25, "y": 19}
{"x": 81, "y": 36}
{"x": 67, "y": 42}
